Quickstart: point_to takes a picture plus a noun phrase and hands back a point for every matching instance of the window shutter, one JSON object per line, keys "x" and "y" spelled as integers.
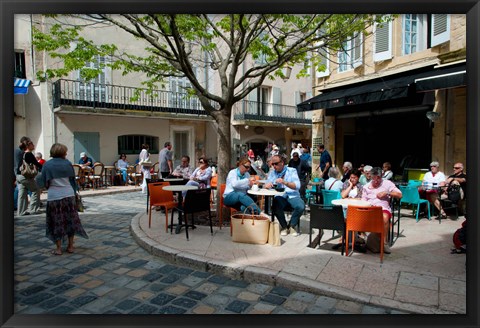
{"x": 277, "y": 101}
{"x": 440, "y": 29}
{"x": 323, "y": 54}
{"x": 357, "y": 50}
{"x": 383, "y": 42}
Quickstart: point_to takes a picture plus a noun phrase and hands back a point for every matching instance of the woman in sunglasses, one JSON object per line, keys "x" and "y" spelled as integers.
{"x": 238, "y": 182}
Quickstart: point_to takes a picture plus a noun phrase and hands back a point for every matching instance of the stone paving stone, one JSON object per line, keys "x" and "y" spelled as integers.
{"x": 453, "y": 302}
{"x": 317, "y": 309}
{"x": 82, "y": 300}
{"x": 203, "y": 309}
{"x": 416, "y": 295}
{"x": 219, "y": 279}
{"x": 453, "y": 286}
{"x": 74, "y": 292}
{"x": 282, "y": 291}
{"x": 195, "y": 295}
{"x": 207, "y": 288}
{"x": 96, "y": 272}
{"x": 184, "y": 302}
{"x": 120, "y": 281}
{"x": 62, "y": 288}
{"x": 167, "y": 269}
{"x": 144, "y": 309}
{"x": 143, "y": 295}
{"x": 171, "y": 310}
{"x": 258, "y": 288}
{"x": 368, "y": 309}
{"x": 92, "y": 284}
{"x": 99, "y": 305}
{"x": 216, "y": 300}
{"x": 127, "y": 304}
{"x": 348, "y": 306}
{"x": 183, "y": 271}
{"x": 192, "y": 281}
{"x": 248, "y": 296}
{"x": 37, "y": 298}
{"x": 80, "y": 279}
{"x": 303, "y": 296}
{"x": 40, "y": 278}
{"x": 237, "y": 306}
{"x": 162, "y": 299}
{"x": 273, "y": 299}
{"x": 137, "y": 273}
{"x": 136, "y": 284}
{"x": 230, "y": 291}
{"x": 237, "y": 283}
{"x": 295, "y": 305}
{"x": 157, "y": 287}
{"x": 177, "y": 289}
{"x": 152, "y": 276}
{"x": 201, "y": 274}
{"x": 101, "y": 290}
{"x": 61, "y": 310}
{"x": 32, "y": 290}
{"x": 418, "y": 280}
{"x": 264, "y": 308}
{"x": 53, "y": 302}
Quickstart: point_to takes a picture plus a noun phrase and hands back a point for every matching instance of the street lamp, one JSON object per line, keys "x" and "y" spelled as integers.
{"x": 287, "y": 71}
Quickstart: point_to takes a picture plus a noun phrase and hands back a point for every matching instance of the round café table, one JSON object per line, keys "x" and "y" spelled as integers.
{"x": 110, "y": 172}
{"x": 179, "y": 189}
{"x": 269, "y": 194}
{"x": 350, "y": 201}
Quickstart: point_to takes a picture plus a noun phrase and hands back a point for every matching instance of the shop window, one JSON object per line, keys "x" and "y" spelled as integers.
{"x": 132, "y": 144}
{"x": 20, "y": 65}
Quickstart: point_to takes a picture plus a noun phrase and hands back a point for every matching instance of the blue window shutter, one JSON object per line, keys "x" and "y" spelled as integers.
{"x": 277, "y": 101}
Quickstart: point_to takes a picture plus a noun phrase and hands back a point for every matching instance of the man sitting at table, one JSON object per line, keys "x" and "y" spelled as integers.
{"x": 432, "y": 179}
{"x": 85, "y": 162}
{"x": 183, "y": 170}
{"x": 286, "y": 177}
{"x": 378, "y": 192}
{"x": 238, "y": 182}
{"x": 460, "y": 178}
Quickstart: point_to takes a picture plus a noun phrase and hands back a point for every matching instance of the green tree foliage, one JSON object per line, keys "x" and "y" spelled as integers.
{"x": 173, "y": 45}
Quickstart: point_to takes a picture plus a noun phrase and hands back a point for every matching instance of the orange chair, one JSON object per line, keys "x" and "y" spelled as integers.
{"x": 213, "y": 185}
{"x": 365, "y": 218}
{"x": 161, "y": 198}
{"x": 232, "y": 210}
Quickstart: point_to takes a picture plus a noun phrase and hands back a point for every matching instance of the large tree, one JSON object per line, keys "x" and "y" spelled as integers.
{"x": 175, "y": 44}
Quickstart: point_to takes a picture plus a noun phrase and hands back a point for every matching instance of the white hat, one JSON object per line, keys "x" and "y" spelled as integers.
{"x": 367, "y": 168}
{"x": 82, "y": 154}
{"x": 299, "y": 145}
{"x": 275, "y": 147}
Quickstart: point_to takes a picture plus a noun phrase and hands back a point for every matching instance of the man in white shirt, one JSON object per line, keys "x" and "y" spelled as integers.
{"x": 432, "y": 179}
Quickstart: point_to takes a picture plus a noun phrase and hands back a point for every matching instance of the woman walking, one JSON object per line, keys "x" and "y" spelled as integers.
{"x": 27, "y": 184}
{"x": 63, "y": 221}
{"x": 144, "y": 160}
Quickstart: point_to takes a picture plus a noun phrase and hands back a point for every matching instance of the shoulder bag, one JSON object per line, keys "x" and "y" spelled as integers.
{"x": 29, "y": 171}
{"x": 250, "y": 228}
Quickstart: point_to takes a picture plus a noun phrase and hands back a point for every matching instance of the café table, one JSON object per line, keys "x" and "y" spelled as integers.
{"x": 179, "y": 189}
{"x": 269, "y": 194}
{"x": 350, "y": 201}
{"x": 110, "y": 172}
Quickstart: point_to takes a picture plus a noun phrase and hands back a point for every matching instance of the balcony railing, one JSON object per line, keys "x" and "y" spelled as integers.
{"x": 259, "y": 111}
{"x": 106, "y": 96}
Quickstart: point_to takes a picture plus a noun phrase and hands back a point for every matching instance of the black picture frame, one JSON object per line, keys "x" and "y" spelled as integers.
{"x": 10, "y": 7}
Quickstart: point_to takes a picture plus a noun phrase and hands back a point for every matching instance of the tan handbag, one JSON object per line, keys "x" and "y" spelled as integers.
{"x": 274, "y": 234}
{"x": 250, "y": 228}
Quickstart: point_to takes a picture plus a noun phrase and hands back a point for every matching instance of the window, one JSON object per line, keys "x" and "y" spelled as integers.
{"x": 179, "y": 96}
{"x": 263, "y": 96}
{"x": 20, "y": 65}
{"x": 383, "y": 41}
{"x": 324, "y": 63}
{"x": 351, "y": 55}
{"x": 95, "y": 89}
{"x": 132, "y": 144}
{"x": 414, "y": 33}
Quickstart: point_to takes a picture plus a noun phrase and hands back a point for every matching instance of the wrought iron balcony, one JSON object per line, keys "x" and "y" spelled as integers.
{"x": 107, "y": 97}
{"x": 246, "y": 110}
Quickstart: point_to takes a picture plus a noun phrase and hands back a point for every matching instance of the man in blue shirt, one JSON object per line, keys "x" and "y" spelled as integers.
{"x": 286, "y": 177}
{"x": 85, "y": 161}
{"x": 325, "y": 161}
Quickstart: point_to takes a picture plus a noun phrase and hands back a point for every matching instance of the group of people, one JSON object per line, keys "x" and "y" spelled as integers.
{"x": 58, "y": 178}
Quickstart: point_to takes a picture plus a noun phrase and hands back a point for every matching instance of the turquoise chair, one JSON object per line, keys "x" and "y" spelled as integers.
{"x": 414, "y": 183}
{"x": 310, "y": 193}
{"x": 411, "y": 196}
{"x": 329, "y": 195}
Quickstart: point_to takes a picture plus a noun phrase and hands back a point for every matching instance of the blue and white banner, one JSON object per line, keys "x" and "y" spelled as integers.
{"x": 20, "y": 86}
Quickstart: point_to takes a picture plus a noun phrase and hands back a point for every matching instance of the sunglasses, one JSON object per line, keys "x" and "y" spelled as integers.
{"x": 276, "y": 163}
{"x": 456, "y": 168}
{"x": 246, "y": 166}
{"x": 201, "y": 162}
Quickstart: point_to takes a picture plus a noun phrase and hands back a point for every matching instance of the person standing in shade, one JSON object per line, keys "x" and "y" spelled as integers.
{"x": 62, "y": 220}
{"x": 325, "y": 161}
{"x": 165, "y": 160}
{"x": 145, "y": 157}
{"x": 347, "y": 170}
{"x": 27, "y": 184}
{"x": 303, "y": 171}
{"x": 387, "y": 173}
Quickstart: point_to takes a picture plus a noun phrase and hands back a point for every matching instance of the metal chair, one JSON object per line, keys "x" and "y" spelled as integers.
{"x": 326, "y": 217}
{"x": 161, "y": 198}
{"x": 365, "y": 218}
{"x": 135, "y": 173}
{"x": 197, "y": 200}
{"x": 329, "y": 195}
{"x": 156, "y": 168}
{"x": 415, "y": 183}
{"x": 411, "y": 196}
{"x": 95, "y": 176}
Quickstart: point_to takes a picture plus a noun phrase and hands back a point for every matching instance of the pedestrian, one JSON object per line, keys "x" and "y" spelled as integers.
{"x": 62, "y": 220}
{"x": 144, "y": 159}
{"x": 27, "y": 184}
{"x": 39, "y": 157}
{"x": 325, "y": 161}
{"x": 165, "y": 160}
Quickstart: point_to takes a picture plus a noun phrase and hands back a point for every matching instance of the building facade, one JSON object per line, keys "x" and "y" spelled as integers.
{"x": 397, "y": 95}
{"x": 115, "y": 114}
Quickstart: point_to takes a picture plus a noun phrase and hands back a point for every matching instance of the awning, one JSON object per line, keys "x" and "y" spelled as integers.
{"x": 396, "y": 90}
{"x": 20, "y": 86}
{"x": 445, "y": 78}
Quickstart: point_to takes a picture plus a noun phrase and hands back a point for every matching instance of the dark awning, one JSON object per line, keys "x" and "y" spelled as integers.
{"x": 398, "y": 89}
{"x": 443, "y": 78}
{"x": 20, "y": 86}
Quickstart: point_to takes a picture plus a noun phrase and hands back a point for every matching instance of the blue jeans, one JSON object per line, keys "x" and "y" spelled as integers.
{"x": 123, "y": 171}
{"x": 280, "y": 204}
{"x": 15, "y": 197}
{"x": 240, "y": 200}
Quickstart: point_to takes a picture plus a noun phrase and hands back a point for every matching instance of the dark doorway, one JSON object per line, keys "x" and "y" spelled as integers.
{"x": 404, "y": 140}
{"x": 259, "y": 149}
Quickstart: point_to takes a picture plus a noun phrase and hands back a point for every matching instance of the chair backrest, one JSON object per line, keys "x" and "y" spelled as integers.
{"x": 329, "y": 195}
{"x": 327, "y": 217}
{"x": 156, "y": 167}
{"x": 414, "y": 183}
{"x": 365, "y": 218}
{"x": 197, "y": 200}
{"x": 409, "y": 194}
{"x": 314, "y": 187}
{"x": 76, "y": 169}
{"x": 98, "y": 169}
{"x": 157, "y": 194}
{"x": 213, "y": 181}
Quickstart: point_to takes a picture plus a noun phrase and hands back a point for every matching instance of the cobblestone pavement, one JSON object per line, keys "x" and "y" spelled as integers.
{"x": 110, "y": 273}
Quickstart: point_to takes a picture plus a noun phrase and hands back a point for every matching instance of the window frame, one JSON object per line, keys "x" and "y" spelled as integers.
{"x": 136, "y": 142}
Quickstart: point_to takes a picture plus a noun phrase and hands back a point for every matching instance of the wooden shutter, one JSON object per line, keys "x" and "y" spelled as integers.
{"x": 383, "y": 42}
{"x": 277, "y": 101}
{"x": 357, "y": 53}
{"x": 440, "y": 32}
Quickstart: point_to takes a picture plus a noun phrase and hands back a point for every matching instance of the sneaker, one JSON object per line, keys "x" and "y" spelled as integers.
{"x": 284, "y": 232}
{"x": 386, "y": 249}
{"x": 293, "y": 232}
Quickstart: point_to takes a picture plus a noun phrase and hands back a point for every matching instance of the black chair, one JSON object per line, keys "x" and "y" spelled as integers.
{"x": 327, "y": 217}
{"x": 197, "y": 200}
{"x": 147, "y": 180}
{"x": 394, "y": 220}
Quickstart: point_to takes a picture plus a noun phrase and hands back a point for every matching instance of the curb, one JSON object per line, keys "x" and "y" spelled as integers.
{"x": 254, "y": 274}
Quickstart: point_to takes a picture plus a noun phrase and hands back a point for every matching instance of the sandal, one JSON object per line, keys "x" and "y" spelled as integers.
{"x": 69, "y": 250}
{"x": 55, "y": 252}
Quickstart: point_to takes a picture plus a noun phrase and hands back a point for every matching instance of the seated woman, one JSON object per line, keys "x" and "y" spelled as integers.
{"x": 238, "y": 182}
{"x": 122, "y": 165}
{"x": 352, "y": 188}
{"x": 334, "y": 181}
{"x": 387, "y": 173}
{"x": 201, "y": 176}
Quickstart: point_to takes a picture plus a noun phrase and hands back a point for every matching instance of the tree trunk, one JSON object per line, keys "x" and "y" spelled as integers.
{"x": 224, "y": 145}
